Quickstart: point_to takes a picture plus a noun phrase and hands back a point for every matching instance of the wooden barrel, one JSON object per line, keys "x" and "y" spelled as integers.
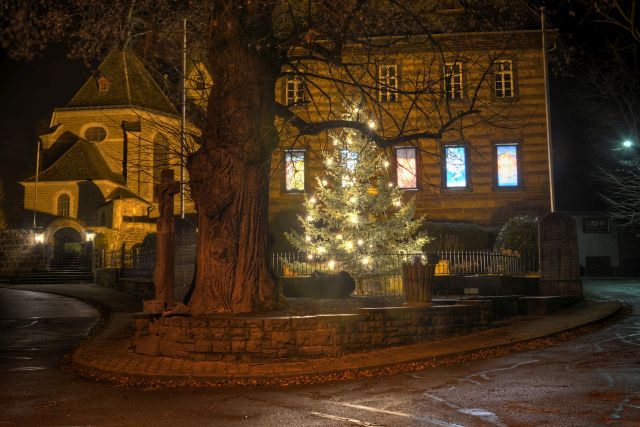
{"x": 417, "y": 282}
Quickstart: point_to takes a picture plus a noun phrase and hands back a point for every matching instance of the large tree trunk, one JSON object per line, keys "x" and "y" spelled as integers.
{"x": 230, "y": 184}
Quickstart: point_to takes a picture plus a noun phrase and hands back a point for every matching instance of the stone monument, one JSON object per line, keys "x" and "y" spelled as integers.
{"x": 559, "y": 262}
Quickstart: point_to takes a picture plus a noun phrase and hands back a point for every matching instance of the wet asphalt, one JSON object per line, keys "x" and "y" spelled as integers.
{"x": 593, "y": 380}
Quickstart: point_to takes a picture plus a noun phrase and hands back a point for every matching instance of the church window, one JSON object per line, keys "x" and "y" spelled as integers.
{"x": 63, "y": 205}
{"x": 455, "y": 171}
{"x": 160, "y": 156}
{"x": 507, "y": 165}
{"x": 407, "y": 167}
{"x": 95, "y": 134}
{"x": 349, "y": 162}
{"x": 294, "y": 170}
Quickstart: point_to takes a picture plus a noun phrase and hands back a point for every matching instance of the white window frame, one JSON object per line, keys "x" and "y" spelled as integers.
{"x": 288, "y": 158}
{"x": 295, "y": 90}
{"x": 388, "y": 77}
{"x": 400, "y": 169}
{"x": 453, "y": 83}
{"x": 501, "y": 85}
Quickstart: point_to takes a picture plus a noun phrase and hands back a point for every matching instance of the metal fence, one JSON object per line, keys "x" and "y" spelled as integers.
{"x": 377, "y": 274}
{"x": 482, "y": 263}
{"x": 132, "y": 263}
{"x": 381, "y": 274}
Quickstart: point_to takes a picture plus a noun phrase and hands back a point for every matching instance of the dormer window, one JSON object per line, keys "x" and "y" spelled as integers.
{"x": 103, "y": 84}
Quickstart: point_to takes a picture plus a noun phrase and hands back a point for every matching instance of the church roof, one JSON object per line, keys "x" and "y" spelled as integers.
{"x": 123, "y": 193}
{"x": 122, "y": 80}
{"x": 81, "y": 162}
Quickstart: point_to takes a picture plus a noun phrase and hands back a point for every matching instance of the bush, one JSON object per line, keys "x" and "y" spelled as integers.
{"x": 519, "y": 235}
{"x": 451, "y": 236}
{"x": 149, "y": 243}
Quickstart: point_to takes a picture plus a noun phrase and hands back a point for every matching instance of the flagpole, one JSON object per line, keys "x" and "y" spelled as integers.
{"x": 184, "y": 114}
{"x": 552, "y": 195}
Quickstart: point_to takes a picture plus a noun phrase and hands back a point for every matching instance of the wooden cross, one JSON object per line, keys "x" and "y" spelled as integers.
{"x": 163, "y": 272}
{"x": 163, "y": 193}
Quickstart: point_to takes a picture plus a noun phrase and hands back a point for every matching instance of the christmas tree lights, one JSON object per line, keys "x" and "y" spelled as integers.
{"x": 356, "y": 215}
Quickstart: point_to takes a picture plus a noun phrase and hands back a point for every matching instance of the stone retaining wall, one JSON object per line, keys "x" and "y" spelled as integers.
{"x": 260, "y": 339}
{"x": 19, "y": 254}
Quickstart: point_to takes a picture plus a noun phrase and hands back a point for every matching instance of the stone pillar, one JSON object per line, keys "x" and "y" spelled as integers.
{"x": 559, "y": 262}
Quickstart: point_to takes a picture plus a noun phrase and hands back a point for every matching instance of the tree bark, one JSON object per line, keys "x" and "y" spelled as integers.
{"x": 230, "y": 183}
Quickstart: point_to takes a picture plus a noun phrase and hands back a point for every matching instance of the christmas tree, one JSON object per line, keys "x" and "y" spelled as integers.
{"x": 356, "y": 216}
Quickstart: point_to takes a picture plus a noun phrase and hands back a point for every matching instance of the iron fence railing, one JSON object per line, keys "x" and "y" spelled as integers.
{"x": 376, "y": 274}
{"x": 450, "y": 263}
{"x": 381, "y": 274}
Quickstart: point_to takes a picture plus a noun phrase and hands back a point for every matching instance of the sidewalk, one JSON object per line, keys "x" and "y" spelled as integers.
{"x": 108, "y": 354}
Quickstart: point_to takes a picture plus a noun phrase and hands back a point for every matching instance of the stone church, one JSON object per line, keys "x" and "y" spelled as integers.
{"x": 103, "y": 153}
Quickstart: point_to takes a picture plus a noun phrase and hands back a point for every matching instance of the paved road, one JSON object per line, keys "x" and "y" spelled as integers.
{"x": 591, "y": 381}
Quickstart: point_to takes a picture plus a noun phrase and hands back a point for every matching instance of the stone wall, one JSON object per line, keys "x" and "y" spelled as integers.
{"x": 19, "y": 254}
{"x": 259, "y": 339}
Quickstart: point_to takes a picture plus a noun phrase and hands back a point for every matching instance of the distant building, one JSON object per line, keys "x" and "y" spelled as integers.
{"x": 605, "y": 247}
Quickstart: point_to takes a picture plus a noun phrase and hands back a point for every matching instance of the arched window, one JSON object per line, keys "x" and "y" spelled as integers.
{"x": 63, "y": 205}
{"x": 160, "y": 156}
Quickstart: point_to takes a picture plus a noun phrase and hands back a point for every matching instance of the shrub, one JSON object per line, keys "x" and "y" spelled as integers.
{"x": 451, "y": 236}
{"x": 519, "y": 235}
{"x": 149, "y": 243}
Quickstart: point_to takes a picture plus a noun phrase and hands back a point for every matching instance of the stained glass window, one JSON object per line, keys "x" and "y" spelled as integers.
{"x": 507, "y": 158}
{"x": 349, "y": 160}
{"x": 294, "y": 170}
{"x": 504, "y": 79}
{"x": 455, "y": 166}
{"x": 406, "y": 167}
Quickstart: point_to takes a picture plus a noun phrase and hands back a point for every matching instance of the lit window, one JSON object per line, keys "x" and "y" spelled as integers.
{"x": 388, "y": 83}
{"x": 455, "y": 166}
{"x": 453, "y": 80}
{"x": 295, "y": 90}
{"x": 503, "y": 76}
{"x": 63, "y": 205}
{"x": 406, "y": 167}
{"x": 349, "y": 162}
{"x": 507, "y": 165}
{"x": 294, "y": 170}
{"x": 95, "y": 134}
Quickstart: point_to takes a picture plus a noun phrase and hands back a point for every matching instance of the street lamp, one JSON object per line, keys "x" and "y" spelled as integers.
{"x": 627, "y": 143}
